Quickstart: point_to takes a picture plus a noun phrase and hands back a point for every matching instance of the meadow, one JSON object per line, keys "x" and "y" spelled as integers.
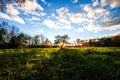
{"x": 97, "y": 63}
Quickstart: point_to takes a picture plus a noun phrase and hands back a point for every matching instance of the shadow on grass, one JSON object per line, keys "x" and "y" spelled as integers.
{"x": 65, "y": 64}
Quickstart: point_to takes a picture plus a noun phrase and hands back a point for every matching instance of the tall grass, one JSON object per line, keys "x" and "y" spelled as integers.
{"x": 60, "y": 64}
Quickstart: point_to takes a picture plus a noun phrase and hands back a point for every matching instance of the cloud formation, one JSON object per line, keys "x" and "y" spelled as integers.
{"x": 56, "y": 24}
{"x": 5, "y": 16}
{"x": 13, "y": 11}
{"x": 95, "y": 16}
{"x": 75, "y": 1}
{"x": 30, "y": 7}
{"x": 111, "y": 3}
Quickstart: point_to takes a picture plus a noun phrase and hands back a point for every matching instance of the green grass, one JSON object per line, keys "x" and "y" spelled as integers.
{"x": 60, "y": 64}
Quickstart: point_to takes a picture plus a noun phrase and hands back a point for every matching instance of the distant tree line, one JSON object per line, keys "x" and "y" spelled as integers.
{"x": 113, "y": 41}
{"x": 12, "y": 37}
{"x": 110, "y": 41}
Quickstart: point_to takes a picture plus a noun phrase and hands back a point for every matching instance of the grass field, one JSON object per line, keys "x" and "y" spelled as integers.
{"x": 60, "y": 64}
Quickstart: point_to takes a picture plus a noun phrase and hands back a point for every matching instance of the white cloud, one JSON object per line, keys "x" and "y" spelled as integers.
{"x": 106, "y": 19}
{"x": 78, "y": 18}
{"x": 62, "y": 12}
{"x": 91, "y": 16}
{"x": 92, "y": 27}
{"x": 35, "y": 18}
{"x": 17, "y": 19}
{"x": 28, "y": 19}
{"x": 61, "y": 21}
{"x": 96, "y": 28}
{"x": 89, "y": 11}
{"x": 2, "y": 15}
{"x": 75, "y": 1}
{"x": 44, "y": 1}
{"x": 96, "y": 3}
{"x": 50, "y": 24}
{"x": 53, "y": 15}
{"x": 87, "y": 7}
{"x": 75, "y": 15}
{"x": 64, "y": 21}
{"x": 65, "y": 18}
{"x": 14, "y": 18}
{"x": 68, "y": 17}
{"x": 12, "y": 14}
{"x": 112, "y": 27}
{"x": 99, "y": 12}
{"x": 115, "y": 3}
{"x": 56, "y": 24}
{"x": 11, "y": 10}
{"x": 111, "y": 19}
{"x": 93, "y": 13}
{"x": 111, "y": 3}
{"x": 30, "y": 7}
{"x": 42, "y": 14}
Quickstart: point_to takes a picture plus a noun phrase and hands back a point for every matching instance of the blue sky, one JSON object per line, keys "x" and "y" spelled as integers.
{"x": 82, "y": 19}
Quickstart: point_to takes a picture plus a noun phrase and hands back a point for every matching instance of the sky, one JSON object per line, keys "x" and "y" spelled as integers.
{"x": 82, "y": 19}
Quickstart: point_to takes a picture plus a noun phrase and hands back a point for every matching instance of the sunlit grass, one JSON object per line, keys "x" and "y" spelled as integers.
{"x": 90, "y": 63}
